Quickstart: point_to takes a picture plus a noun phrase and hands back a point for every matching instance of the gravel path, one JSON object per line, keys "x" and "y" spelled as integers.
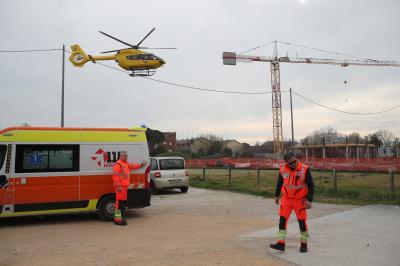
{"x": 200, "y": 227}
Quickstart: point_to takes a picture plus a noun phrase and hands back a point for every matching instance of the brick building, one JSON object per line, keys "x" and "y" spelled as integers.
{"x": 170, "y": 141}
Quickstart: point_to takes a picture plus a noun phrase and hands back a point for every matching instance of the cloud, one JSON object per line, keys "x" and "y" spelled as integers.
{"x": 98, "y": 96}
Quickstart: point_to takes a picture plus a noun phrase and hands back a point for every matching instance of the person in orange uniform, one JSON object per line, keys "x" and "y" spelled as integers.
{"x": 121, "y": 178}
{"x": 296, "y": 185}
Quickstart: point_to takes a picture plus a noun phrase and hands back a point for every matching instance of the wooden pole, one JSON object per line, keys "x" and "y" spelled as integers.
{"x": 291, "y": 120}
{"x": 392, "y": 187}
{"x": 230, "y": 176}
{"x": 204, "y": 174}
{"x": 258, "y": 176}
{"x": 334, "y": 180}
{"x": 62, "y": 85}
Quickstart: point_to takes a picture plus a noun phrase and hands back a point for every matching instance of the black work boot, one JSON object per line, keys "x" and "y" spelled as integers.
{"x": 124, "y": 222}
{"x": 303, "y": 248}
{"x": 278, "y": 246}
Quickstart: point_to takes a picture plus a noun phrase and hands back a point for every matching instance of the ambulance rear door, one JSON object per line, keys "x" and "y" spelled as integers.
{"x": 6, "y": 184}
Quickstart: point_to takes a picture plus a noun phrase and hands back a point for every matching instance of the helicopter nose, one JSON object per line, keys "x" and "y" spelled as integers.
{"x": 162, "y": 62}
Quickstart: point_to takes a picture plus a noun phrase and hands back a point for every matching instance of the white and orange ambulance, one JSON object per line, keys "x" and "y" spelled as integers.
{"x": 47, "y": 170}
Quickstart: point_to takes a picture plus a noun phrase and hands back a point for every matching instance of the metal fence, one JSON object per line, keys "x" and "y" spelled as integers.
{"x": 375, "y": 187}
{"x": 339, "y": 164}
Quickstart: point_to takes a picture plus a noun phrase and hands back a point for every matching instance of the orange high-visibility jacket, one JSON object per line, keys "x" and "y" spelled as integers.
{"x": 121, "y": 173}
{"x": 294, "y": 181}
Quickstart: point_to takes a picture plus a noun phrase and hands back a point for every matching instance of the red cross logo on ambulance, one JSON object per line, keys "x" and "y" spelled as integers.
{"x": 100, "y": 157}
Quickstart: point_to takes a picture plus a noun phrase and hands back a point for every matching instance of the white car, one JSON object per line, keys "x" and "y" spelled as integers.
{"x": 168, "y": 173}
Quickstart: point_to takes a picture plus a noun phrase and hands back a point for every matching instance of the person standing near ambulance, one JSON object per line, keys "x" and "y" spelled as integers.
{"x": 121, "y": 178}
{"x": 296, "y": 185}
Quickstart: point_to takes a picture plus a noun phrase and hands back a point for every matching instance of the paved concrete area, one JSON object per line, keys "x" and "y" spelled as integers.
{"x": 368, "y": 235}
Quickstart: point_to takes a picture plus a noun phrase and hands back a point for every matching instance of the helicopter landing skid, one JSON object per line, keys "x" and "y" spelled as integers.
{"x": 142, "y": 73}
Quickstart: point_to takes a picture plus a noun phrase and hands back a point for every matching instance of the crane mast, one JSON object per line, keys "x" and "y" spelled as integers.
{"x": 231, "y": 58}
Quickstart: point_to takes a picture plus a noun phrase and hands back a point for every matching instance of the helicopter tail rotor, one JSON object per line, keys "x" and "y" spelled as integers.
{"x": 78, "y": 57}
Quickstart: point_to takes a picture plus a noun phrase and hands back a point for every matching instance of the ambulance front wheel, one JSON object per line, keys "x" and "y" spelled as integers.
{"x": 184, "y": 189}
{"x": 106, "y": 208}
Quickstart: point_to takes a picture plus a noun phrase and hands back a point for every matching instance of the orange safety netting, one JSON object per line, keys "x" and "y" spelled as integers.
{"x": 340, "y": 164}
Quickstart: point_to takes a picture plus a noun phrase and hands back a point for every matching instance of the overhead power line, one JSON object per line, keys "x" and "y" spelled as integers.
{"x": 223, "y": 91}
{"x": 345, "y": 112}
{"x": 30, "y": 51}
{"x": 188, "y": 86}
{"x": 206, "y": 90}
{"x": 256, "y": 93}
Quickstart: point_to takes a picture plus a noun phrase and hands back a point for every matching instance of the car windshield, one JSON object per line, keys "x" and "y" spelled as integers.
{"x": 169, "y": 164}
{"x": 2, "y": 154}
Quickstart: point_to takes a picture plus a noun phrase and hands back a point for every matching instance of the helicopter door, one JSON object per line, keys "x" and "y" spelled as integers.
{"x": 145, "y": 58}
{"x": 6, "y": 187}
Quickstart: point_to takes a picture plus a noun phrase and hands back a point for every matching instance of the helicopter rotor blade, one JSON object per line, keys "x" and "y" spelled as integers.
{"x": 113, "y": 51}
{"x": 169, "y": 48}
{"x": 145, "y": 37}
{"x": 118, "y": 40}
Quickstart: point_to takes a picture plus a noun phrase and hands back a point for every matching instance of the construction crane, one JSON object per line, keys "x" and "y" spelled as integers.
{"x": 230, "y": 58}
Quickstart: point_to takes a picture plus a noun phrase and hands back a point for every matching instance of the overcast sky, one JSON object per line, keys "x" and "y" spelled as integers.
{"x": 96, "y": 96}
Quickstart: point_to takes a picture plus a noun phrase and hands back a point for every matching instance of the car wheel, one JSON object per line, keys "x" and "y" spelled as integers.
{"x": 184, "y": 189}
{"x": 106, "y": 208}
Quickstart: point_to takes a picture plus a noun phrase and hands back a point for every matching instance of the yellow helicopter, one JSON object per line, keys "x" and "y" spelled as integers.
{"x": 132, "y": 59}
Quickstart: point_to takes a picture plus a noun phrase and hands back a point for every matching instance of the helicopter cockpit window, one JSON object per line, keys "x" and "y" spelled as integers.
{"x": 132, "y": 57}
{"x": 146, "y": 57}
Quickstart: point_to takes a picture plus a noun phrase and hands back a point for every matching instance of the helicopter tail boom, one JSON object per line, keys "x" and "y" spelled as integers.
{"x": 78, "y": 57}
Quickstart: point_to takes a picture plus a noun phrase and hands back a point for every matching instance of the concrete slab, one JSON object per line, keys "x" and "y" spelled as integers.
{"x": 368, "y": 235}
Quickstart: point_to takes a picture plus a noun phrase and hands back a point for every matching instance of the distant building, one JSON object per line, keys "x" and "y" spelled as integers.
{"x": 236, "y": 147}
{"x": 201, "y": 145}
{"x": 193, "y": 145}
{"x": 170, "y": 141}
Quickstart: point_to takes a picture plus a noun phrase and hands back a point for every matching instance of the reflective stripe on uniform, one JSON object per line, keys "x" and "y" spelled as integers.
{"x": 303, "y": 173}
{"x": 304, "y": 236}
{"x": 281, "y": 235}
{"x": 294, "y": 185}
{"x": 117, "y": 215}
{"x": 291, "y": 186}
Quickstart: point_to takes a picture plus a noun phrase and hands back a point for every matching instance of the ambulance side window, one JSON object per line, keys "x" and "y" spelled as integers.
{"x": 46, "y": 158}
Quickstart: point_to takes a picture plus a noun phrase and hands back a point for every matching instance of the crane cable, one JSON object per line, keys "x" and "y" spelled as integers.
{"x": 326, "y": 51}
{"x": 308, "y": 47}
{"x": 258, "y": 47}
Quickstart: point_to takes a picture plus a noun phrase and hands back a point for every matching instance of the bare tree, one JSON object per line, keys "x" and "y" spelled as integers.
{"x": 211, "y": 137}
{"x": 354, "y": 138}
{"x": 385, "y": 136}
{"x": 326, "y": 134}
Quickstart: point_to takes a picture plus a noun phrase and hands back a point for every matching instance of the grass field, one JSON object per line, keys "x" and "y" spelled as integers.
{"x": 353, "y": 188}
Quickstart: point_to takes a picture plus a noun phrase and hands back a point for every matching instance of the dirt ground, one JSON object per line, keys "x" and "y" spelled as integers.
{"x": 201, "y": 227}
